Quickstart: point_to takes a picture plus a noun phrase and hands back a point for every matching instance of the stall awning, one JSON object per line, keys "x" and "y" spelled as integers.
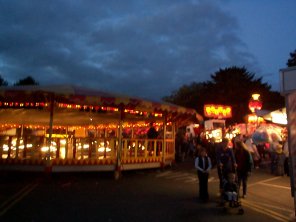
{"x": 278, "y": 116}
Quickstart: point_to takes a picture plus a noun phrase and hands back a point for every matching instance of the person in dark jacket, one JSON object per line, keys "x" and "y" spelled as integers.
{"x": 244, "y": 165}
{"x": 226, "y": 162}
{"x": 203, "y": 165}
{"x": 152, "y": 134}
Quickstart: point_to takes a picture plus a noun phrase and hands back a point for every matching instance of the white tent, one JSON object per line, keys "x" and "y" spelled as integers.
{"x": 278, "y": 116}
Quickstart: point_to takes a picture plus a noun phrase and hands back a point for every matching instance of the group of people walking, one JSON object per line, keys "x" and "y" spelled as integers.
{"x": 231, "y": 163}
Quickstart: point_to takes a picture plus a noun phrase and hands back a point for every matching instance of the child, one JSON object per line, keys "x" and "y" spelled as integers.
{"x": 230, "y": 189}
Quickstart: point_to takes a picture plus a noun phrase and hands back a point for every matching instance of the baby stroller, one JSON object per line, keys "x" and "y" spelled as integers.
{"x": 230, "y": 193}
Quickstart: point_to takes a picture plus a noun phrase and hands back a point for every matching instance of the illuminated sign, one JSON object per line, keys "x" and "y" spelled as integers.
{"x": 217, "y": 111}
{"x": 252, "y": 118}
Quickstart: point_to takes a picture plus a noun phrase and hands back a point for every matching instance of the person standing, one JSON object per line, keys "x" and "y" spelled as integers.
{"x": 190, "y": 143}
{"x": 244, "y": 165}
{"x": 152, "y": 134}
{"x": 203, "y": 165}
{"x": 226, "y": 162}
{"x": 253, "y": 151}
{"x": 274, "y": 149}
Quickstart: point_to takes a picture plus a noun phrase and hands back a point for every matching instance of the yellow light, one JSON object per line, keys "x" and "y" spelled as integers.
{"x": 46, "y": 149}
{"x": 23, "y": 146}
{"x": 57, "y": 135}
{"x": 216, "y": 111}
{"x": 102, "y": 149}
{"x": 63, "y": 142}
{"x": 255, "y": 96}
{"x": 5, "y": 147}
{"x": 63, "y": 153}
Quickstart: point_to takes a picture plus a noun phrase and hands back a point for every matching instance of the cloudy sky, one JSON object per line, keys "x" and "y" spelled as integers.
{"x": 143, "y": 48}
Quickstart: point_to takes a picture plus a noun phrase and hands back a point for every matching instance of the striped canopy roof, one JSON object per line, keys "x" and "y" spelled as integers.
{"x": 83, "y": 96}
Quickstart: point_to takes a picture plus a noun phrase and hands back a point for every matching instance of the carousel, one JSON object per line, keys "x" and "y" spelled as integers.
{"x": 62, "y": 128}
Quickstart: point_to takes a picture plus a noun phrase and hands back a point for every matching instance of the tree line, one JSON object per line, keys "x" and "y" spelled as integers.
{"x": 29, "y": 80}
{"x": 231, "y": 86}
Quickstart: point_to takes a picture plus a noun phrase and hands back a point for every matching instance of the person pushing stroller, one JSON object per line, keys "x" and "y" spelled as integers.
{"x": 226, "y": 162}
{"x": 228, "y": 176}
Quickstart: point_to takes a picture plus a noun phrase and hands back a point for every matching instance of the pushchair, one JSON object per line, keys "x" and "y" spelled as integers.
{"x": 230, "y": 193}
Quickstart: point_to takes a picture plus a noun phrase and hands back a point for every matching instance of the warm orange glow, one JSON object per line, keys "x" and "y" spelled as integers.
{"x": 77, "y": 107}
{"x": 217, "y": 111}
{"x": 255, "y": 103}
{"x": 255, "y": 96}
{"x": 252, "y": 118}
{"x": 100, "y": 126}
{"x": 57, "y": 135}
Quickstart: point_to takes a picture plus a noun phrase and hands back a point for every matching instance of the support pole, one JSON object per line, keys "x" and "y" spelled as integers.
{"x": 117, "y": 173}
{"x": 291, "y": 115}
{"x": 174, "y": 129}
{"x": 48, "y": 166}
{"x": 164, "y": 142}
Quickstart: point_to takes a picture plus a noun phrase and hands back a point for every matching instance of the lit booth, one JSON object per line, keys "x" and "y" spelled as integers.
{"x": 62, "y": 128}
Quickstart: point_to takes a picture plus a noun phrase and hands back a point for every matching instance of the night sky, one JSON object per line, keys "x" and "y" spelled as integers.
{"x": 143, "y": 48}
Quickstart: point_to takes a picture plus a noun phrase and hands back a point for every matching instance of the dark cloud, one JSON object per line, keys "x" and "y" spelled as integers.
{"x": 140, "y": 48}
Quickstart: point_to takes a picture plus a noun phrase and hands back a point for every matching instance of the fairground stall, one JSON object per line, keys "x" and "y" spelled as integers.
{"x": 215, "y": 126}
{"x": 69, "y": 128}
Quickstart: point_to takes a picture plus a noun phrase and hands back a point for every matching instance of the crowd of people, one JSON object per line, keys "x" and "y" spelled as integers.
{"x": 232, "y": 158}
{"x": 232, "y": 162}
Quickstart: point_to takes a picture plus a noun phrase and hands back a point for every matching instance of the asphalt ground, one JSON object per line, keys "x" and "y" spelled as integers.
{"x": 144, "y": 195}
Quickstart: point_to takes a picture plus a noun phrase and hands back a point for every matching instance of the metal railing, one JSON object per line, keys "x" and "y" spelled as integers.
{"x": 65, "y": 149}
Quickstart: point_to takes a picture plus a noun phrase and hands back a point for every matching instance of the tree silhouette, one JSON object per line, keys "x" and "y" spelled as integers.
{"x": 187, "y": 95}
{"x": 230, "y": 86}
{"x": 292, "y": 60}
{"x": 26, "y": 81}
{"x": 3, "y": 82}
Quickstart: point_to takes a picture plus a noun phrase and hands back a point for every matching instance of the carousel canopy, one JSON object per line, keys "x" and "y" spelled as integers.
{"x": 28, "y": 105}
